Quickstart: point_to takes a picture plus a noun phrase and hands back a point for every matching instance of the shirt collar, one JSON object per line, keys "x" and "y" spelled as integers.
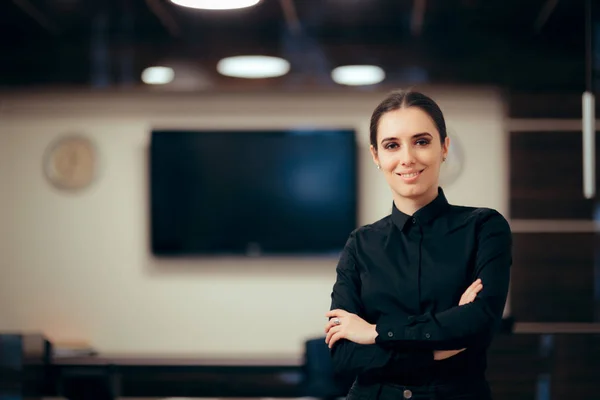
{"x": 424, "y": 215}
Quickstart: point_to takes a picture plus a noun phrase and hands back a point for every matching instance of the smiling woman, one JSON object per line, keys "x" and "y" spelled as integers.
{"x": 419, "y": 293}
{"x": 409, "y": 148}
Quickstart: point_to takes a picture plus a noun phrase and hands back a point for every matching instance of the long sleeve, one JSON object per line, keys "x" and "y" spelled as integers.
{"x": 354, "y": 359}
{"x": 462, "y": 326}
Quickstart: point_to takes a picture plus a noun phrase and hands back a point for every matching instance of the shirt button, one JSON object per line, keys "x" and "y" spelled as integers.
{"x": 407, "y": 394}
{"x": 427, "y": 335}
{"x": 390, "y": 334}
{"x": 414, "y": 220}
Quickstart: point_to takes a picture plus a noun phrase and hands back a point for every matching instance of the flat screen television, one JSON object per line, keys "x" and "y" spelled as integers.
{"x": 252, "y": 193}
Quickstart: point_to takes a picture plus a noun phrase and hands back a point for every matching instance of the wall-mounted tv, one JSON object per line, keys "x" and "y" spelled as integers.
{"x": 252, "y": 193}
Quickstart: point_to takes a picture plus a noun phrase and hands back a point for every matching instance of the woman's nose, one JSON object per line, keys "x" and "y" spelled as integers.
{"x": 407, "y": 156}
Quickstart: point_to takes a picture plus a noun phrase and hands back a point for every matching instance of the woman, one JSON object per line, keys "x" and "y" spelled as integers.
{"x": 418, "y": 293}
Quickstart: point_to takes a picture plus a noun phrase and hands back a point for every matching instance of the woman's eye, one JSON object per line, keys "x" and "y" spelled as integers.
{"x": 422, "y": 142}
{"x": 391, "y": 146}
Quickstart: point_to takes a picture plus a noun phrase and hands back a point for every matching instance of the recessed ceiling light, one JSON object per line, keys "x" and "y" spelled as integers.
{"x": 253, "y": 67}
{"x": 158, "y": 75}
{"x": 216, "y": 4}
{"x": 357, "y": 75}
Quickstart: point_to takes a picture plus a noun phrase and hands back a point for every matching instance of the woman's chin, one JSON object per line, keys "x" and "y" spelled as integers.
{"x": 413, "y": 191}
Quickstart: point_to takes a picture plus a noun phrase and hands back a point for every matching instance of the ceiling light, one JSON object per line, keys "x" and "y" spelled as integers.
{"x": 157, "y": 75}
{"x": 357, "y": 75}
{"x": 253, "y": 67}
{"x": 216, "y": 4}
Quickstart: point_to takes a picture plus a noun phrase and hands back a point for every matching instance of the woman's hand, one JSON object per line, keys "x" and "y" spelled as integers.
{"x": 344, "y": 325}
{"x": 467, "y": 297}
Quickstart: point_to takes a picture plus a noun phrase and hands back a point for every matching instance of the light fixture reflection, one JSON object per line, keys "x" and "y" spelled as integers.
{"x": 357, "y": 75}
{"x": 253, "y": 67}
{"x": 158, "y": 75}
{"x": 216, "y": 4}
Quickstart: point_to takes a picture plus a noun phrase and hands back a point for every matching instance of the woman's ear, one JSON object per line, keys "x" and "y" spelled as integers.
{"x": 375, "y": 156}
{"x": 445, "y": 148}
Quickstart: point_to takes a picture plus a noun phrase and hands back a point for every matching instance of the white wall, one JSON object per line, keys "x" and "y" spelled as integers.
{"x": 78, "y": 266}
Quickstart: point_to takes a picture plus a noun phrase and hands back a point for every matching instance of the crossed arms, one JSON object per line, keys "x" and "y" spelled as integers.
{"x": 358, "y": 347}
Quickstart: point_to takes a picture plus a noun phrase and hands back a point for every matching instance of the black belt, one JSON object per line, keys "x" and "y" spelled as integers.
{"x": 422, "y": 379}
{"x": 477, "y": 389}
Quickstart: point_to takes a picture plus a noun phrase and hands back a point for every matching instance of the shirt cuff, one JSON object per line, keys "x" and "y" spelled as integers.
{"x": 389, "y": 330}
{"x": 395, "y": 329}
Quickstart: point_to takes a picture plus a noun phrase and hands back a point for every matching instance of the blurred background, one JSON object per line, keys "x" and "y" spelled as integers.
{"x": 177, "y": 183}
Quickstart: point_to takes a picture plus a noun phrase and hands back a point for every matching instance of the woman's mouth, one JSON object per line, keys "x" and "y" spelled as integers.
{"x": 409, "y": 176}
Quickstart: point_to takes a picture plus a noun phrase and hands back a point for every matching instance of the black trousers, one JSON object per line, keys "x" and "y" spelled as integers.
{"x": 475, "y": 390}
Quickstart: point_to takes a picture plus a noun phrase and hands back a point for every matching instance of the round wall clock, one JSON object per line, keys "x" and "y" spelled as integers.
{"x": 71, "y": 162}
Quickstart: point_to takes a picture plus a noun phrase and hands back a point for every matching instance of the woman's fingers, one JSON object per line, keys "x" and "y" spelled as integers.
{"x": 336, "y": 313}
{"x": 443, "y": 354}
{"x": 473, "y": 286}
{"x": 331, "y": 333}
{"x": 471, "y": 293}
{"x": 331, "y": 323}
{"x": 334, "y": 338}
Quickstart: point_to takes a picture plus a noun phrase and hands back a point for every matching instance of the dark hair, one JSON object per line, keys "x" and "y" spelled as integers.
{"x": 404, "y": 99}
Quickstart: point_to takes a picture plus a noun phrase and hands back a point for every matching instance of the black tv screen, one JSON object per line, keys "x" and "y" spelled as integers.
{"x": 287, "y": 192}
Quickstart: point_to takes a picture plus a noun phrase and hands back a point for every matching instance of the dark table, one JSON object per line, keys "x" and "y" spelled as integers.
{"x": 552, "y": 361}
{"x": 31, "y": 374}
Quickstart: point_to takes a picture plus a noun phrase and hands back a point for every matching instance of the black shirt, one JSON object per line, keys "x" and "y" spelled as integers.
{"x": 406, "y": 274}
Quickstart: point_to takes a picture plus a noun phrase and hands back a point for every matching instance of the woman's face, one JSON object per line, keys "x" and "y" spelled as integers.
{"x": 410, "y": 153}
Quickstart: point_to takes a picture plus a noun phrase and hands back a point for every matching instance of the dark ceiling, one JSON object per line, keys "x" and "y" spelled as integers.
{"x": 516, "y": 44}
